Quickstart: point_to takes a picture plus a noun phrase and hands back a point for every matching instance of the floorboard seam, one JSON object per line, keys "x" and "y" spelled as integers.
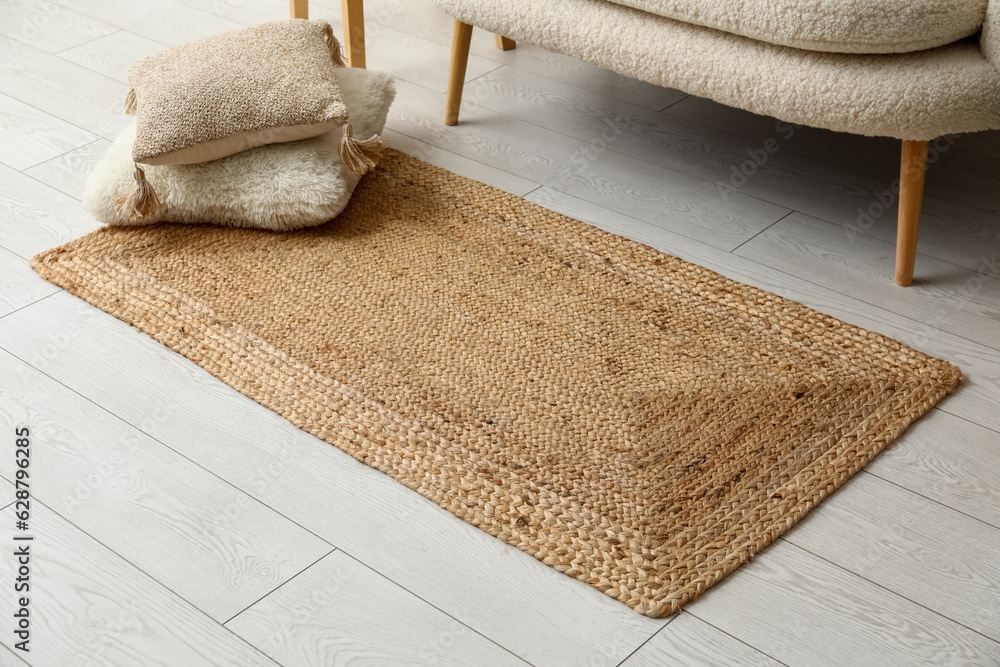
{"x": 650, "y": 638}
{"x": 928, "y": 498}
{"x": 431, "y": 604}
{"x": 56, "y": 157}
{"x": 733, "y": 251}
{"x": 279, "y": 586}
{"x": 28, "y": 305}
{"x": 113, "y": 32}
{"x": 936, "y": 612}
{"x": 146, "y": 574}
{"x": 164, "y": 444}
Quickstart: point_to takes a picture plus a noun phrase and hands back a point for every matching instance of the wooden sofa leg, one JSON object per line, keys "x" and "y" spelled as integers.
{"x": 505, "y": 44}
{"x": 353, "y": 14}
{"x": 912, "y": 167}
{"x": 460, "y": 41}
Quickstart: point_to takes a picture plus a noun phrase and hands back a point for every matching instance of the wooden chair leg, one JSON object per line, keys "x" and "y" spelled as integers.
{"x": 299, "y": 9}
{"x": 912, "y": 167}
{"x": 505, "y": 44}
{"x": 353, "y": 14}
{"x": 460, "y": 41}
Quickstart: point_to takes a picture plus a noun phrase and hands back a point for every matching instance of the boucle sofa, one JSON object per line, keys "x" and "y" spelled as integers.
{"x": 915, "y": 70}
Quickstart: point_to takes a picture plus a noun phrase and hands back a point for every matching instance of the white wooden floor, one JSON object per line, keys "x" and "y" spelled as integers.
{"x": 179, "y": 523}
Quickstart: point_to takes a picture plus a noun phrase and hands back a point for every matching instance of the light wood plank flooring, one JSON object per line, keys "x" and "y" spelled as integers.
{"x": 179, "y": 523}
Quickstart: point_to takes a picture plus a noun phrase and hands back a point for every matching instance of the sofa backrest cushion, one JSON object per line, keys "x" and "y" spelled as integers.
{"x": 840, "y": 26}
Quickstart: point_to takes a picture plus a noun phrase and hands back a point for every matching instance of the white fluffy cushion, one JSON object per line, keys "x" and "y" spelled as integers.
{"x": 279, "y": 186}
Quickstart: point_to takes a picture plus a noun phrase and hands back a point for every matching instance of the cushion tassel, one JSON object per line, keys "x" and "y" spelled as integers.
{"x": 130, "y": 101}
{"x": 141, "y": 201}
{"x": 334, "y": 46}
{"x": 360, "y": 156}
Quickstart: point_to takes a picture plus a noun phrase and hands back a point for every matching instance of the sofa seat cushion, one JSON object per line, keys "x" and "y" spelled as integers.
{"x": 920, "y": 95}
{"x": 841, "y": 26}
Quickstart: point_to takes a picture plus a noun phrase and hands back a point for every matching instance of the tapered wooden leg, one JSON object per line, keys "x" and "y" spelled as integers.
{"x": 460, "y": 40}
{"x": 300, "y": 9}
{"x": 505, "y": 44}
{"x": 912, "y": 167}
{"x": 353, "y": 14}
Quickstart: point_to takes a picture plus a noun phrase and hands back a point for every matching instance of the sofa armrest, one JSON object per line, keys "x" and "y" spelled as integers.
{"x": 990, "y": 40}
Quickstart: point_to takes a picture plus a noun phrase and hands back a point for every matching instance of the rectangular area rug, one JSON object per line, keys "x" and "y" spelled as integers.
{"x": 635, "y": 421}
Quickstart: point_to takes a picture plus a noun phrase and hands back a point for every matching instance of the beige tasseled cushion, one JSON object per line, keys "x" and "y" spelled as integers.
{"x": 218, "y": 96}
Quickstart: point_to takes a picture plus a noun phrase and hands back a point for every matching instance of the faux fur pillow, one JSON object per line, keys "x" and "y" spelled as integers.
{"x": 279, "y": 186}
{"x": 209, "y": 99}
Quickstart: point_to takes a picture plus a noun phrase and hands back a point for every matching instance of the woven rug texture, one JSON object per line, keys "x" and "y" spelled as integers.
{"x": 633, "y": 420}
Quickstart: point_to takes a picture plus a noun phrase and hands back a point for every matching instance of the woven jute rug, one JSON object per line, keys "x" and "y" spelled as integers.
{"x": 633, "y": 420}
